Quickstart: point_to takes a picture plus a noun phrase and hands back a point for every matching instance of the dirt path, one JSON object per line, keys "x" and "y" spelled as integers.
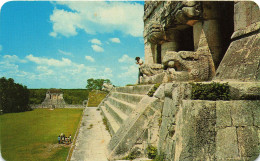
{"x": 92, "y": 138}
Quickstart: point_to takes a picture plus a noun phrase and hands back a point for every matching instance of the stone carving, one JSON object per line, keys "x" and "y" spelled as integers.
{"x": 182, "y": 65}
{"x": 153, "y": 73}
{"x": 107, "y": 87}
{"x": 151, "y": 69}
{"x": 156, "y": 34}
{"x": 188, "y": 65}
{"x": 174, "y": 15}
{"x": 187, "y": 12}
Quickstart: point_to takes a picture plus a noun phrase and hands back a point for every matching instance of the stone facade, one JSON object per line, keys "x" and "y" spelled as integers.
{"x": 185, "y": 42}
{"x": 53, "y": 99}
{"x": 182, "y": 28}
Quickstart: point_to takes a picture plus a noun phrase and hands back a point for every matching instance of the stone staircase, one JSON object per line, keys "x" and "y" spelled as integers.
{"x": 120, "y": 103}
{"x": 129, "y": 112}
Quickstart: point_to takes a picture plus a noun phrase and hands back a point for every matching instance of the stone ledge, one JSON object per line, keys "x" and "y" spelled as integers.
{"x": 251, "y": 28}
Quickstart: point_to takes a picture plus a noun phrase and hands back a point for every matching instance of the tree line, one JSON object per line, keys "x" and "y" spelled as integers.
{"x": 71, "y": 96}
{"x": 14, "y": 97}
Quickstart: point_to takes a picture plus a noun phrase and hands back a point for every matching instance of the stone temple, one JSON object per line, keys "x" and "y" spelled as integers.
{"x": 53, "y": 99}
{"x": 188, "y": 42}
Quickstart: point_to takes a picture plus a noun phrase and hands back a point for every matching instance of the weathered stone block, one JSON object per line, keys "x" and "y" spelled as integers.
{"x": 159, "y": 93}
{"x": 169, "y": 108}
{"x": 168, "y": 89}
{"x": 244, "y": 90}
{"x": 223, "y": 113}
{"x": 148, "y": 48}
{"x": 255, "y": 13}
{"x": 157, "y": 105}
{"x": 241, "y": 114}
{"x": 189, "y": 3}
{"x": 248, "y": 141}
{"x": 240, "y": 17}
{"x": 226, "y": 143}
{"x": 256, "y": 112}
{"x": 151, "y": 69}
{"x": 163, "y": 133}
{"x": 158, "y": 78}
{"x": 241, "y": 61}
{"x": 170, "y": 149}
{"x": 195, "y": 130}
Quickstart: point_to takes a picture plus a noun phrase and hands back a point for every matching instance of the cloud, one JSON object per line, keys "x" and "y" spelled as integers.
{"x": 89, "y": 58}
{"x": 126, "y": 59}
{"x": 108, "y": 73}
{"x": 14, "y": 58}
{"x": 130, "y": 72}
{"x": 65, "y": 53}
{"x": 11, "y": 70}
{"x": 97, "y": 17}
{"x": 53, "y": 34}
{"x": 1, "y": 47}
{"x": 45, "y": 69}
{"x": 49, "y": 62}
{"x": 96, "y": 41}
{"x": 97, "y": 48}
{"x": 64, "y": 23}
{"x": 115, "y": 40}
{"x": 50, "y": 73}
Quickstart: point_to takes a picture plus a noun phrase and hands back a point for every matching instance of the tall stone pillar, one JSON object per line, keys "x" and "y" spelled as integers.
{"x": 211, "y": 27}
{"x": 149, "y": 50}
{"x": 171, "y": 43}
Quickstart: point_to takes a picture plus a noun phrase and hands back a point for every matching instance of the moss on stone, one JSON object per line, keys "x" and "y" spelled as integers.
{"x": 212, "y": 91}
{"x": 152, "y": 91}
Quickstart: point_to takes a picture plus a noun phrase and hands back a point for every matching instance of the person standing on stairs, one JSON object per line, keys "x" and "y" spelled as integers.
{"x": 140, "y": 62}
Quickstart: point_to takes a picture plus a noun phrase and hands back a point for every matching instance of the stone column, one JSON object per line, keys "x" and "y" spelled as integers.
{"x": 149, "y": 50}
{"x": 196, "y": 34}
{"x": 171, "y": 43}
{"x": 211, "y": 27}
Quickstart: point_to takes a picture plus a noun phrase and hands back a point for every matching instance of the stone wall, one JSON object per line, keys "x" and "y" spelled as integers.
{"x": 185, "y": 129}
{"x": 208, "y": 130}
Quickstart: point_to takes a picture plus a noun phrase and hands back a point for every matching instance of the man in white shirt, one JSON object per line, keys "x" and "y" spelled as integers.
{"x": 139, "y": 62}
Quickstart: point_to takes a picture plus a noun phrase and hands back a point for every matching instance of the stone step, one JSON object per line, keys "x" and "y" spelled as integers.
{"x": 138, "y": 89}
{"x": 132, "y": 129}
{"x": 118, "y": 115}
{"x": 127, "y": 97}
{"x": 111, "y": 122}
{"x": 125, "y": 107}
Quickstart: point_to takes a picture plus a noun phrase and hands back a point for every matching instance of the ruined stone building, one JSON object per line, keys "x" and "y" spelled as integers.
{"x": 188, "y": 40}
{"x": 54, "y": 99}
{"x": 199, "y": 42}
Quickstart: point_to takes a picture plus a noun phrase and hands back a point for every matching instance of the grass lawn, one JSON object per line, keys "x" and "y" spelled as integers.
{"x": 32, "y": 135}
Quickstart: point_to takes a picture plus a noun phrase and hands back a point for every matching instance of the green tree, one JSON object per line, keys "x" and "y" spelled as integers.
{"x": 96, "y": 84}
{"x": 13, "y": 97}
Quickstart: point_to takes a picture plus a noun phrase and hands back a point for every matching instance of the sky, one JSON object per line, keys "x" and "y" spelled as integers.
{"x": 62, "y": 44}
